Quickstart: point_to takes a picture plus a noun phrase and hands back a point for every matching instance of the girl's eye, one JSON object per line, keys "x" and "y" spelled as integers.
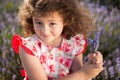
{"x": 38, "y": 23}
{"x": 52, "y": 24}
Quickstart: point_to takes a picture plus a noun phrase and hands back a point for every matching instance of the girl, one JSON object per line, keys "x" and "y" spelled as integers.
{"x": 56, "y": 32}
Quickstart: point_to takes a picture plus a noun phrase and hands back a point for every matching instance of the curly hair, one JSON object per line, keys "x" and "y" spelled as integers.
{"x": 78, "y": 18}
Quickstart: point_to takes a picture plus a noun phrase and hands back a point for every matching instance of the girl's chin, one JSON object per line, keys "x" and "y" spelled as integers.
{"x": 47, "y": 41}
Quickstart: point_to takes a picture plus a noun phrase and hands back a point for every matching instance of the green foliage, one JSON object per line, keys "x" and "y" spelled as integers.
{"x": 110, "y": 41}
{"x": 10, "y": 64}
{"x": 9, "y": 6}
{"x": 108, "y": 3}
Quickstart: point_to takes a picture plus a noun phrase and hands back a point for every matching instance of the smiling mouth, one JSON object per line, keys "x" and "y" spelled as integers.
{"x": 45, "y": 36}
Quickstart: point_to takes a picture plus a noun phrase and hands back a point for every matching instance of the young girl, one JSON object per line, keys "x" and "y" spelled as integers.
{"x": 56, "y": 38}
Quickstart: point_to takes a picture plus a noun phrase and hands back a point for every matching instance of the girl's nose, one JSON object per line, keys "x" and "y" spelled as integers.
{"x": 45, "y": 30}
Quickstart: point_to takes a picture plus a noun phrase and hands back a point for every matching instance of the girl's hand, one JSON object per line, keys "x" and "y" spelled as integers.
{"x": 94, "y": 65}
{"x": 95, "y": 58}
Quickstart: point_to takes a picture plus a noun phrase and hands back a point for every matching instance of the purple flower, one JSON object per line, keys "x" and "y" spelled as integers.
{"x": 95, "y": 42}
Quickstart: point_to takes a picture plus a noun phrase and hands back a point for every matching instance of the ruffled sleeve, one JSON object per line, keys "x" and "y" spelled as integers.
{"x": 29, "y": 44}
{"x": 80, "y": 44}
{"x": 16, "y": 42}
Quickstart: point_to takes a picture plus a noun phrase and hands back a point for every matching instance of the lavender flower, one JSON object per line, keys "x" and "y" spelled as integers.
{"x": 111, "y": 71}
{"x": 95, "y": 42}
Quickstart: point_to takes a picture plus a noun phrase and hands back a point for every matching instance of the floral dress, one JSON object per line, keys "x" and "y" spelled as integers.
{"x": 55, "y": 61}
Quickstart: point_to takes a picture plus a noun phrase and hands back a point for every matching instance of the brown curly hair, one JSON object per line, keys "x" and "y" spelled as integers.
{"x": 78, "y": 18}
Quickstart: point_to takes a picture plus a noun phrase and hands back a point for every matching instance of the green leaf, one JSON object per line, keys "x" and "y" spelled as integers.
{"x": 9, "y": 6}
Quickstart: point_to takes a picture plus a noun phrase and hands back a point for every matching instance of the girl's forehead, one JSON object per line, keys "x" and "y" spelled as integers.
{"x": 53, "y": 16}
{"x": 47, "y": 15}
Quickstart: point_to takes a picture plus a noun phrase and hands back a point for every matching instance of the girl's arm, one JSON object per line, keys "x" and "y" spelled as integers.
{"x": 32, "y": 66}
{"x": 77, "y": 63}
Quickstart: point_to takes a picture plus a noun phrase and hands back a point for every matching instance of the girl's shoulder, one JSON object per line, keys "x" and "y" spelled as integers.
{"x": 80, "y": 43}
{"x": 77, "y": 44}
{"x": 77, "y": 39}
{"x": 29, "y": 44}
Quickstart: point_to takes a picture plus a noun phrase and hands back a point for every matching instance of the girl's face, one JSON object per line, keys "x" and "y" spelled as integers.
{"x": 49, "y": 28}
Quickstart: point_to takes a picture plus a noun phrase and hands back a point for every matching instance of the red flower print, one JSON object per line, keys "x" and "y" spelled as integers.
{"x": 68, "y": 63}
{"x": 67, "y": 47}
{"x": 34, "y": 49}
{"x": 43, "y": 59}
{"x": 29, "y": 39}
{"x": 77, "y": 40}
{"x": 51, "y": 57}
{"x": 62, "y": 73}
{"x": 60, "y": 60}
{"x": 39, "y": 44}
{"x": 50, "y": 47}
{"x": 52, "y": 68}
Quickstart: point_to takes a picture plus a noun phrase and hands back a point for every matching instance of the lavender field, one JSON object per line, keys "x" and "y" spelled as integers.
{"x": 106, "y": 20}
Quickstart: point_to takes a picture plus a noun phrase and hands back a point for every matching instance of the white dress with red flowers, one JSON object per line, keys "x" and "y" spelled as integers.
{"x": 55, "y": 61}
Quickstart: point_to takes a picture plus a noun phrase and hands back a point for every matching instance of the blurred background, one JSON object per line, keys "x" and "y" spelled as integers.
{"x": 106, "y": 14}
